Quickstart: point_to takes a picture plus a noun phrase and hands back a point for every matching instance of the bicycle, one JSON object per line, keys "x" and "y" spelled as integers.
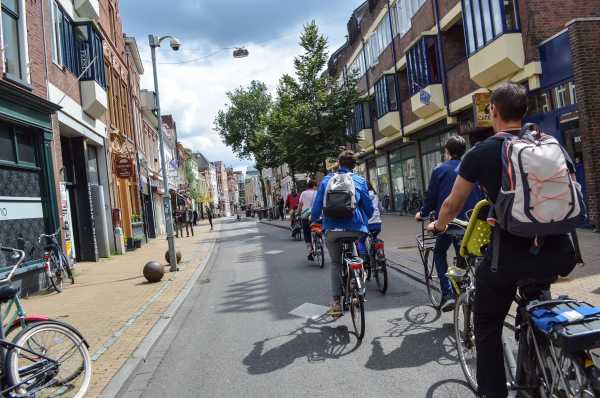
{"x": 47, "y": 356}
{"x": 316, "y": 239}
{"x": 296, "y": 227}
{"x": 352, "y": 277}
{"x": 376, "y": 263}
{"x": 55, "y": 262}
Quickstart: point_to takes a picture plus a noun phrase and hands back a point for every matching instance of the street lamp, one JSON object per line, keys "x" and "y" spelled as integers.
{"x": 175, "y": 45}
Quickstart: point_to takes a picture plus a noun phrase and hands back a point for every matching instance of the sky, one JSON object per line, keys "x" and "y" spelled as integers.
{"x": 193, "y": 82}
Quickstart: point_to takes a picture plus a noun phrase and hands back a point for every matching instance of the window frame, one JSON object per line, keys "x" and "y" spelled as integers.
{"x": 560, "y": 96}
{"x": 473, "y": 36}
{"x": 14, "y": 132}
{"x": 418, "y": 68}
{"x": 93, "y": 45}
{"x": 20, "y": 16}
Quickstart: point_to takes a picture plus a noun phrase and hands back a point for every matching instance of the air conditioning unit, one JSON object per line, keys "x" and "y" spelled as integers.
{"x": 88, "y": 9}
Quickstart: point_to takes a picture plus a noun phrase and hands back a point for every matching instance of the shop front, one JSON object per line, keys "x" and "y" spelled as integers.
{"x": 405, "y": 179}
{"x": 28, "y": 196}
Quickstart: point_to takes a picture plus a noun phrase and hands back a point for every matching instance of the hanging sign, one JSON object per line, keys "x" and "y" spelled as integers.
{"x": 481, "y": 105}
{"x": 425, "y": 97}
{"x": 123, "y": 167}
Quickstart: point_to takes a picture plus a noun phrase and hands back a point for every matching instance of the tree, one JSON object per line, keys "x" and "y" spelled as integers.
{"x": 311, "y": 112}
{"x": 242, "y": 125}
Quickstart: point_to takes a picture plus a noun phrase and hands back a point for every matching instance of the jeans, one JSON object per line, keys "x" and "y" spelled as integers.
{"x": 335, "y": 253}
{"x": 440, "y": 257}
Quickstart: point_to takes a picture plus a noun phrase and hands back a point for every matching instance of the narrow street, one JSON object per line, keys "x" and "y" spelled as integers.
{"x": 234, "y": 335}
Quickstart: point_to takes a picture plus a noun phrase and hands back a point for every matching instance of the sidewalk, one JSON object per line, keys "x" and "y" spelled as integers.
{"x": 399, "y": 233}
{"x": 114, "y": 306}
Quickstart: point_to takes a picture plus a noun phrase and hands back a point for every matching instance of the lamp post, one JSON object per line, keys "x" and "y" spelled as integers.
{"x": 175, "y": 45}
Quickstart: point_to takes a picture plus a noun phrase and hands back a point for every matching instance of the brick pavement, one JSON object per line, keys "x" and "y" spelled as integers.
{"x": 113, "y": 305}
{"x": 399, "y": 233}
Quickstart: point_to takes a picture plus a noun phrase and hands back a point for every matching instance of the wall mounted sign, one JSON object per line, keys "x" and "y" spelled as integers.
{"x": 481, "y": 106}
{"x": 425, "y": 97}
{"x": 123, "y": 167}
{"x": 20, "y": 208}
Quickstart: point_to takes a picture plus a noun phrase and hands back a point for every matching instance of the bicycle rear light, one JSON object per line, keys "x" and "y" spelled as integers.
{"x": 356, "y": 265}
{"x": 378, "y": 246}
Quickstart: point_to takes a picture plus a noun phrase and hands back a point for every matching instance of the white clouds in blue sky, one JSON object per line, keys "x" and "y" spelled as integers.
{"x": 194, "y": 92}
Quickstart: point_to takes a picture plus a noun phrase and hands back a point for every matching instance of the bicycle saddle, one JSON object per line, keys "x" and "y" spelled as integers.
{"x": 8, "y": 292}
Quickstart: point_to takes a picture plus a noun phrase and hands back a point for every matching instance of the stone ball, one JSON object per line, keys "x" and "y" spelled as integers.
{"x": 153, "y": 271}
{"x": 178, "y": 255}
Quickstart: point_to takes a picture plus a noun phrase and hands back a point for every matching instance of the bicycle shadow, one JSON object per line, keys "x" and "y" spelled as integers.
{"x": 422, "y": 342}
{"x": 450, "y": 389}
{"x": 310, "y": 341}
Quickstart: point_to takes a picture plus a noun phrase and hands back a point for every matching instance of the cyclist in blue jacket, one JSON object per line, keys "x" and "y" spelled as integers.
{"x": 355, "y": 226}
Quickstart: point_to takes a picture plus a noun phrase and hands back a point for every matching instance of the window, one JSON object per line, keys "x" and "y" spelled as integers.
{"x": 560, "y": 96}
{"x": 402, "y": 13}
{"x": 385, "y": 95}
{"x": 545, "y": 100}
{"x": 113, "y": 23}
{"x": 357, "y": 66}
{"x": 13, "y": 31}
{"x": 485, "y": 20}
{"x": 362, "y": 117}
{"x": 91, "y": 55}
{"x": 422, "y": 65}
{"x": 17, "y": 146}
{"x": 63, "y": 39}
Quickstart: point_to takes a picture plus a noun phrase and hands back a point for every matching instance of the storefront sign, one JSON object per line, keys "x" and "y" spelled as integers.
{"x": 20, "y": 208}
{"x": 124, "y": 167}
{"x": 66, "y": 212}
{"x": 481, "y": 105}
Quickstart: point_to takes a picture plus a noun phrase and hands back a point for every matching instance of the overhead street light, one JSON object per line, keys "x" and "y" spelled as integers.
{"x": 175, "y": 44}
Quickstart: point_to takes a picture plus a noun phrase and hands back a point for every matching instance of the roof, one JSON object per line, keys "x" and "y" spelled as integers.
{"x": 131, "y": 43}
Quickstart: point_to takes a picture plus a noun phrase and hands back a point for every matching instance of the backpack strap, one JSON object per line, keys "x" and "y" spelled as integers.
{"x": 575, "y": 239}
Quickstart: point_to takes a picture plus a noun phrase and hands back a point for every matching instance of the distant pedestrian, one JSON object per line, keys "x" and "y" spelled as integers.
{"x": 189, "y": 222}
{"x": 177, "y": 217}
{"x": 196, "y": 217}
{"x": 210, "y": 217}
{"x": 280, "y": 206}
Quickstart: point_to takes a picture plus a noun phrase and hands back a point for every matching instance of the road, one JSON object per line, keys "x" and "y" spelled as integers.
{"x": 235, "y": 337}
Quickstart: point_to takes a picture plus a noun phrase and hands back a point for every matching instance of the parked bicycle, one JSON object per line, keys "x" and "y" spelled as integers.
{"x": 375, "y": 261}
{"x": 46, "y": 358}
{"x": 56, "y": 264}
{"x": 352, "y": 280}
{"x": 316, "y": 239}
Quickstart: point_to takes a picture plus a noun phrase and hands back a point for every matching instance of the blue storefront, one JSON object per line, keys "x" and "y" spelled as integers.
{"x": 554, "y": 105}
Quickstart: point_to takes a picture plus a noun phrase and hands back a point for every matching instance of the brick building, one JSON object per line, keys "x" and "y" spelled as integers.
{"x": 29, "y": 154}
{"x": 422, "y": 65}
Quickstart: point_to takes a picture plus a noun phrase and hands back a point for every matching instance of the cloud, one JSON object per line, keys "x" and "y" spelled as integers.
{"x": 194, "y": 92}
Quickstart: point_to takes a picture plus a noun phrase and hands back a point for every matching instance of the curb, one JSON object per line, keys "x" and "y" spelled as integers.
{"x": 274, "y": 225}
{"x": 120, "y": 379}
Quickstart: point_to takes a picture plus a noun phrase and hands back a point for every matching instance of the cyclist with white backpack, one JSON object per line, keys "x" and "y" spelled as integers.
{"x": 343, "y": 201}
{"x": 536, "y": 206}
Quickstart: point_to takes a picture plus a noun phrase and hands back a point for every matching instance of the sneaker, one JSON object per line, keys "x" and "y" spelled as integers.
{"x": 335, "y": 309}
{"x": 448, "y": 303}
{"x": 311, "y": 257}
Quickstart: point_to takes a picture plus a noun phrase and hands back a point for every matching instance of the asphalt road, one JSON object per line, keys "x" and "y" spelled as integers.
{"x": 235, "y": 337}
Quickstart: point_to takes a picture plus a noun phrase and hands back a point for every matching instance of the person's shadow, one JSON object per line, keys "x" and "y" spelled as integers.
{"x": 315, "y": 343}
{"x": 422, "y": 342}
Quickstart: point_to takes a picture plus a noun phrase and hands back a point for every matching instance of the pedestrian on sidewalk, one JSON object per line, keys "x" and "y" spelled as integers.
{"x": 209, "y": 214}
{"x": 196, "y": 217}
{"x": 440, "y": 186}
{"x": 177, "y": 216}
{"x": 189, "y": 222}
{"x": 280, "y": 206}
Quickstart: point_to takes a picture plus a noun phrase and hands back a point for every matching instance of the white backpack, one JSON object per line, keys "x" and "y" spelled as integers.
{"x": 339, "y": 201}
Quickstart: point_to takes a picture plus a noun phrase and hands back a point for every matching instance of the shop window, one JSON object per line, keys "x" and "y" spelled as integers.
{"x": 91, "y": 55}
{"x": 17, "y": 146}
{"x": 422, "y": 65}
{"x": 485, "y": 20}
{"x": 13, "y": 39}
{"x": 386, "y": 99}
{"x": 560, "y": 96}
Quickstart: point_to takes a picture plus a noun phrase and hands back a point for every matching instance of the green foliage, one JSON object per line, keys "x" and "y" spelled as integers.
{"x": 191, "y": 180}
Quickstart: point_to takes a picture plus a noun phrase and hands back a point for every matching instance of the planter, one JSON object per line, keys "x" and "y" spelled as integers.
{"x": 130, "y": 245}
{"x": 137, "y": 243}
{"x": 137, "y": 230}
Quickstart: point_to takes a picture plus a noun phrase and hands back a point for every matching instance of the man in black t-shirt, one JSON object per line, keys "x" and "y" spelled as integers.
{"x": 496, "y": 290}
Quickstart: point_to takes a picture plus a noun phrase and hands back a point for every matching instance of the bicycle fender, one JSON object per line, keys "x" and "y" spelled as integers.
{"x": 65, "y": 325}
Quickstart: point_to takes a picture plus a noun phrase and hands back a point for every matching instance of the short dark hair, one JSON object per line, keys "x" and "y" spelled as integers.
{"x": 456, "y": 146}
{"x": 510, "y": 99}
{"x": 312, "y": 184}
{"x": 347, "y": 159}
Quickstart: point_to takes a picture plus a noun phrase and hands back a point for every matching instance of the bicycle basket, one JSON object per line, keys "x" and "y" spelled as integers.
{"x": 479, "y": 232}
{"x": 575, "y": 326}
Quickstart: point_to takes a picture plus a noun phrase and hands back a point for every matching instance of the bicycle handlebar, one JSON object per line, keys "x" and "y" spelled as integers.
{"x": 20, "y": 254}
{"x": 48, "y": 236}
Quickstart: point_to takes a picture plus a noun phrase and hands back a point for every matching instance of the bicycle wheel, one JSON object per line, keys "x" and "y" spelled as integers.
{"x": 67, "y": 267}
{"x": 357, "y": 311}
{"x": 54, "y": 273}
{"x": 465, "y": 338}
{"x": 381, "y": 275}
{"x": 432, "y": 281}
{"x": 60, "y": 364}
{"x": 319, "y": 252}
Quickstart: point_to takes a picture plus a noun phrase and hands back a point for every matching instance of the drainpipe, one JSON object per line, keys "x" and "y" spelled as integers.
{"x": 362, "y": 39}
{"x": 442, "y": 64}
{"x": 395, "y": 57}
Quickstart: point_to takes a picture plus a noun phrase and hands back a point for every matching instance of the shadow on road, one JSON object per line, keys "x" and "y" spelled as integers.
{"x": 423, "y": 341}
{"x": 247, "y": 296}
{"x": 450, "y": 389}
{"x": 314, "y": 341}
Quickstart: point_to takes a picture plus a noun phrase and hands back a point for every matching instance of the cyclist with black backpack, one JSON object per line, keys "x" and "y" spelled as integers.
{"x": 537, "y": 204}
{"x": 343, "y": 200}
